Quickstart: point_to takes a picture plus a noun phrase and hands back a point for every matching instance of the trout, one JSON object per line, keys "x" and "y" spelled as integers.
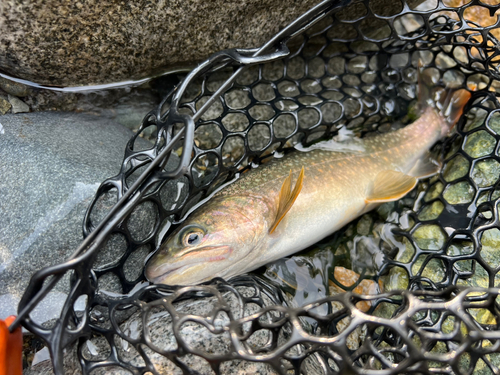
{"x": 260, "y": 218}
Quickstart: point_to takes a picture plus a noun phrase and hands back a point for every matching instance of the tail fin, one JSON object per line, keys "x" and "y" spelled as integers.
{"x": 449, "y": 102}
{"x": 453, "y": 106}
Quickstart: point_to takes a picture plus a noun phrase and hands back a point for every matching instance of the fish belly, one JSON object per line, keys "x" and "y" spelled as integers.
{"x": 325, "y": 204}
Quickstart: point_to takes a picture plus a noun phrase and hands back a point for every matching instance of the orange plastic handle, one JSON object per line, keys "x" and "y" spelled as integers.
{"x": 11, "y": 346}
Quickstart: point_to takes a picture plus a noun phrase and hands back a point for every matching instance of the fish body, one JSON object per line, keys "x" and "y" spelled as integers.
{"x": 238, "y": 229}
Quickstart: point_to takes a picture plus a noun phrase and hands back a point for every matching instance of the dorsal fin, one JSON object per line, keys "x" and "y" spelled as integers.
{"x": 287, "y": 197}
{"x": 390, "y": 186}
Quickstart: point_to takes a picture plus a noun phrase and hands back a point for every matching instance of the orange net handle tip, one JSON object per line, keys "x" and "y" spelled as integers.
{"x": 11, "y": 346}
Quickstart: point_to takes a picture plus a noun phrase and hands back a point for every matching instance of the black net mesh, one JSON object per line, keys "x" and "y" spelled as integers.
{"x": 344, "y": 64}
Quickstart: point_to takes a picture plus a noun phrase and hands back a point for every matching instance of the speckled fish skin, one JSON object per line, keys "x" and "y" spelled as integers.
{"x": 233, "y": 228}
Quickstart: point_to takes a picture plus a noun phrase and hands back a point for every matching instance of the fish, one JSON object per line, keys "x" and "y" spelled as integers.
{"x": 263, "y": 216}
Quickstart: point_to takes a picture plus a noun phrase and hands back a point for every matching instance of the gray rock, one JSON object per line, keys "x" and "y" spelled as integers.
{"x": 51, "y": 165}
{"x": 131, "y": 109}
{"x": 80, "y": 43}
{"x": 44, "y": 367}
{"x": 18, "y": 106}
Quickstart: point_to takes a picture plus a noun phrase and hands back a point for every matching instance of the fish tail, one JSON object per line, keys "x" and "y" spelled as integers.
{"x": 453, "y": 107}
{"x": 450, "y": 103}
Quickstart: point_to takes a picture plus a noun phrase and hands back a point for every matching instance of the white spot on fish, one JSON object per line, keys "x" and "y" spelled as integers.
{"x": 2, "y": 131}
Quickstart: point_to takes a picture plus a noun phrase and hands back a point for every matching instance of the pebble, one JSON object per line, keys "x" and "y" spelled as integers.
{"x": 18, "y": 106}
{"x": 348, "y": 278}
{"x": 4, "y": 106}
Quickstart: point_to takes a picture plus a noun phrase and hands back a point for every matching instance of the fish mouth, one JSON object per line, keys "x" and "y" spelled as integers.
{"x": 158, "y": 279}
{"x": 158, "y": 273}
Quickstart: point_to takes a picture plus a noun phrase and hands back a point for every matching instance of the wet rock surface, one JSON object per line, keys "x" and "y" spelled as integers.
{"x": 159, "y": 326}
{"x": 51, "y": 165}
{"x": 82, "y": 43}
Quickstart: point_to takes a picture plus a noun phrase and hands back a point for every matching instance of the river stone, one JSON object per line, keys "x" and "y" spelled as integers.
{"x": 82, "y": 43}
{"x": 14, "y": 88}
{"x": 161, "y": 335}
{"x": 18, "y": 106}
{"x": 460, "y": 193}
{"x": 51, "y": 165}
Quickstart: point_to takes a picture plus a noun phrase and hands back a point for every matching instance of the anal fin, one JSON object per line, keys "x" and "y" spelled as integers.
{"x": 287, "y": 197}
{"x": 390, "y": 186}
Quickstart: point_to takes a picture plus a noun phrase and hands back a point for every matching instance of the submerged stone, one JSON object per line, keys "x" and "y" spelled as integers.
{"x": 429, "y": 237}
{"x": 432, "y": 211}
{"x": 348, "y": 278}
{"x": 479, "y": 144}
{"x": 364, "y": 225}
{"x": 397, "y": 279}
{"x": 460, "y": 247}
{"x": 160, "y": 330}
{"x": 479, "y": 278}
{"x": 475, "y": 118}
{"x": 486, "y": 172}
{"x": 460, "y": 193}
{"x": 406, "y": 253}
{"x": 433, "y": 269}
{"x": 490, "y": 249}
{"x": 456, "y": 168}
{"x": 494, "y": 122}
{"x": 434, "y": 191}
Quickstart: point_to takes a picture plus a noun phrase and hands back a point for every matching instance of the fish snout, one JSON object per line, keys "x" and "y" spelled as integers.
{"x": 159, "y": 264}
{"x": 165, "y": 267}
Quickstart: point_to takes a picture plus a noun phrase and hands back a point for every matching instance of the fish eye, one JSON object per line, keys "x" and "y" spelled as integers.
{"x": 192, "y": 237}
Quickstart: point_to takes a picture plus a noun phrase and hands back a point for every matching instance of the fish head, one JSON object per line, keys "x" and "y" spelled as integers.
{"x": 208, "y": 243}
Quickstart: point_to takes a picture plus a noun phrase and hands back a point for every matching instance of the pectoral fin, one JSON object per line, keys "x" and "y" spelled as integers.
{"x": 425, "y": 167}
{"x": 287, "y": 197}
{"x": 390, "y": 186}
